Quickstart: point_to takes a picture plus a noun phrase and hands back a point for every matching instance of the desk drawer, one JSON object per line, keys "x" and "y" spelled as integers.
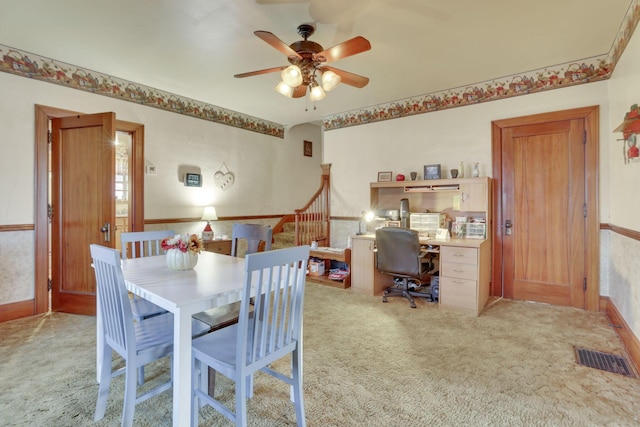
{"x": 218, "y": 246}
{"x": 459, "y": 255}
{"x": 459, "y": 271}
{"x": 458, "y": 293}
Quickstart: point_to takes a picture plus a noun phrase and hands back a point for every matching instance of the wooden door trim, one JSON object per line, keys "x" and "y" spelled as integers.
{"x": 42, "y": 115}
{"x": 592, "y": 239}
{"x": 41, "y": 280}
{"x": 136, "y": 217}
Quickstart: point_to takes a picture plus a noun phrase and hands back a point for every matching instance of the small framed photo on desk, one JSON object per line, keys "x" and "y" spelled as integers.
{"x": 432, "y": 171}
{"x": 384, "y": 176}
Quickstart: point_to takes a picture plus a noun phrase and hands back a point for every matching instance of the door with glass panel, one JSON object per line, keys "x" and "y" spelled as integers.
{"x": 91, "y": 198}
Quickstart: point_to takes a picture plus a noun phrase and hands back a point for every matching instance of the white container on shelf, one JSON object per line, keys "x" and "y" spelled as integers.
{"x": 427, "y": 223}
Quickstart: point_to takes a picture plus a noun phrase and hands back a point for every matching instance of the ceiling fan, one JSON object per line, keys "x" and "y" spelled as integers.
{"x": 308, "y": 61}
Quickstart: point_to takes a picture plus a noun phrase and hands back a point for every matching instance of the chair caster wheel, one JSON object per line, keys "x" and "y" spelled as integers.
{"x": 413, "y": 305}
{"x": 384, "y": 299}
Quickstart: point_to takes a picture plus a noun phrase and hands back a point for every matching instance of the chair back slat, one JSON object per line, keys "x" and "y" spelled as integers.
{"x": 253, "y": 234}
{"x": 278, "y": 277}
{"x": 114, "y": 308}
{"x": 137, "y": 244}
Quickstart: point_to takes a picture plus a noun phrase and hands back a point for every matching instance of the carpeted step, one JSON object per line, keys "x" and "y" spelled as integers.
{"x": 285, "y": 239}
{"x": 289, "y": 227}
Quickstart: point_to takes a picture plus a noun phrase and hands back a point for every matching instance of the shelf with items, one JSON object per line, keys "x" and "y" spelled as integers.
{"x": 459, "y": 197}
{"x": 432, "y": 195}
{"x": 320, "y": 272}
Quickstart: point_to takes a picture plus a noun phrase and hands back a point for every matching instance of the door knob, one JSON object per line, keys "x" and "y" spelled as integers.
{"x": 507, "y": 226}
{"x": 106, "y": 230}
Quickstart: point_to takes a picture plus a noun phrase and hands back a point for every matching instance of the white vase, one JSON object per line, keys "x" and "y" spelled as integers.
{"x": 178, "y": 260}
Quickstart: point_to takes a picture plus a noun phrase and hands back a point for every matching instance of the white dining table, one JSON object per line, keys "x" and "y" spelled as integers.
{"x": 216, "y": 280}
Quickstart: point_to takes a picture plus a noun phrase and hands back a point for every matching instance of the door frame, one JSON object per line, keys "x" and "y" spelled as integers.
{"x": 43, "y": 114}
{"x": 591, "y": 116}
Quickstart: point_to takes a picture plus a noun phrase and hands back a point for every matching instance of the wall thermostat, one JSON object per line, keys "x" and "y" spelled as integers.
{"x": 193, "y": 180}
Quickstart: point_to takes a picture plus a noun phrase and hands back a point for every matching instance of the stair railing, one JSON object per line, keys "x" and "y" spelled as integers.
{"x": 312, "y": 221}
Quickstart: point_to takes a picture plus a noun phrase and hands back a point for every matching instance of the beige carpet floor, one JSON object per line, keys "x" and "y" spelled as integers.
{"x": 366, "y": 364}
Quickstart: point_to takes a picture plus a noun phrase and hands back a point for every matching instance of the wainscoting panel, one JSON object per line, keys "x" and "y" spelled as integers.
{"x": 17, "y": 266}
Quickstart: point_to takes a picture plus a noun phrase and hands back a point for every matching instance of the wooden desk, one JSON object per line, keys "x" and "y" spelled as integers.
{"x": 215, "y": 281}
{"x": 464, "y": 265}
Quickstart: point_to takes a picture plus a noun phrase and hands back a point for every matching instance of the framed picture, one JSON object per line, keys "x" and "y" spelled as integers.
{"x": 308, "y": 148}
{"x": 384, "y": 176}
{"x": 432, "y": 171}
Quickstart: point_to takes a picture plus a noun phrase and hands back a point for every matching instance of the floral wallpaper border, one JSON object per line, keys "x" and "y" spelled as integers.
{"x": 37, "y": 67}
{"x": 554, "y": 77}
{"x": 582, "y": 71}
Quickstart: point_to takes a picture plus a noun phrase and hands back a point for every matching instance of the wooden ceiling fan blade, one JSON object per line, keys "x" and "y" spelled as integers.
{"x": 258, "y": 72}
{"x": 348, "y": 78}
{"x": 277, "y": 43}
{"x": 348, "y": 48}
{"x": 299, "y": 91}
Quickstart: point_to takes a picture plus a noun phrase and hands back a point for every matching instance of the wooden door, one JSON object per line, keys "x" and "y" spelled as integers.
{"x": 544, "y": 210}
{"x": 82, "y": 199}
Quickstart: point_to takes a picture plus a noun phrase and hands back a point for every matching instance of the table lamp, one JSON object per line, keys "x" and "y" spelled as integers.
{"x": 367, "y": 216}
{"x": 208, "y": 214}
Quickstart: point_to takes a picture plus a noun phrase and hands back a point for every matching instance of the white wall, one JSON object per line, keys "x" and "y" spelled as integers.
{"x": 624, "y": 191}
{"x": 446, "y": 137}
{"x": 272, "y": 176}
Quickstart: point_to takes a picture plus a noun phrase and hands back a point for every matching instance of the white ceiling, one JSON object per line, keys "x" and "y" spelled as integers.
{"x": 194, "y": 47}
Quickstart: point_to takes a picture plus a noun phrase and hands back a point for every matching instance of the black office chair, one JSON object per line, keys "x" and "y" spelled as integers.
{"x": 398, "y": 254}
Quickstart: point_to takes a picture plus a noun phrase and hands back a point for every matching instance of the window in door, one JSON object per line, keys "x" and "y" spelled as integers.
{"x": 123, "y": 183}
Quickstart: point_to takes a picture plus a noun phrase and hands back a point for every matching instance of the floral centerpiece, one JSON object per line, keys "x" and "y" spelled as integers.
{"x": 182, "y": 251}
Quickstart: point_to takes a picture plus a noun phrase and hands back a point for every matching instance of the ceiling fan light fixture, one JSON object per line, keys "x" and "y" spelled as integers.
{"x": 284, "y": 89}
{"x": 330, "y": 80}
{"x": 292, "y": 76}
{"x": 317, "y": 94}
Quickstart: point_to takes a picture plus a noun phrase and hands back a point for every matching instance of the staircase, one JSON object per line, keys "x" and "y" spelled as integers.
{"x": 311, "y": 223}
{"x": 286, "y": 238}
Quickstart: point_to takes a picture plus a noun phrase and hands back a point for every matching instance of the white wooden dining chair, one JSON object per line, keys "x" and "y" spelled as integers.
{"x": 256, "y": 341}
{"x": 220, "y": 317}
{"x": 138, "y": 343}
{"x": 252, "y": 235}
{"x": 138, "y": 244}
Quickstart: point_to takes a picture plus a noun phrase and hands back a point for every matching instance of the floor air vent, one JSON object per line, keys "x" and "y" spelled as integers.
{"x": 604, "y": 361}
